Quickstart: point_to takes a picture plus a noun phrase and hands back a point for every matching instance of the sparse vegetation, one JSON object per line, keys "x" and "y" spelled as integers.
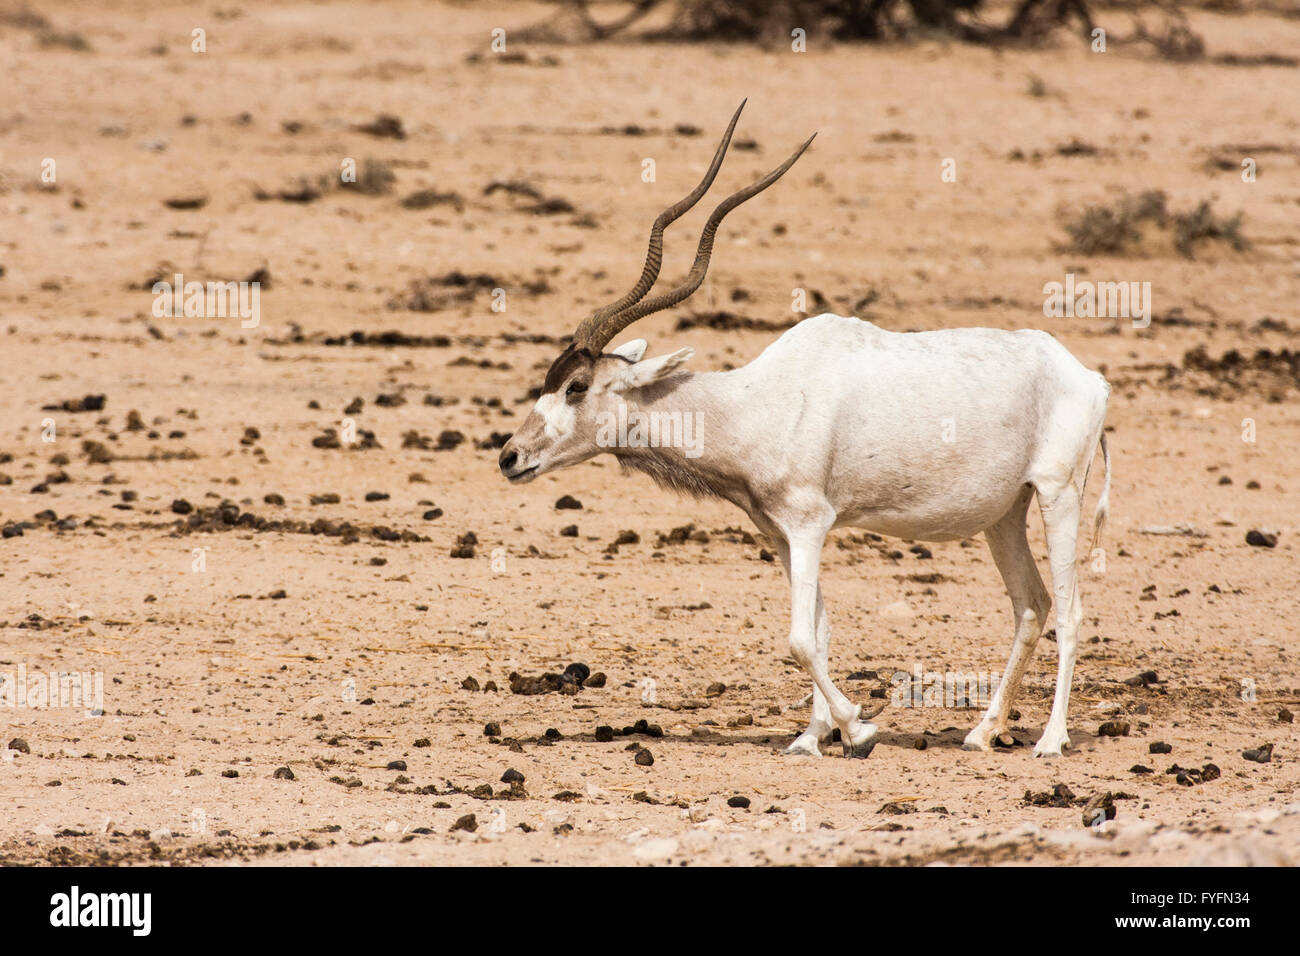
{"x": 745, "y": 20}
{"x": 1115, "y": 228}
{"x": 1201, "y": 223}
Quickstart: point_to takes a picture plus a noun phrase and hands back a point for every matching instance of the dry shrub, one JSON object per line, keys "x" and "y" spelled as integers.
{"x": 1114, "y": 228}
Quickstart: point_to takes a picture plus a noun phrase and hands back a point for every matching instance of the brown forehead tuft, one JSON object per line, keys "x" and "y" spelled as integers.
{"x": 571, "y": 359}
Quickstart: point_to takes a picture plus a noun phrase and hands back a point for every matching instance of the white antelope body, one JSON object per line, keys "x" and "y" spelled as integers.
{"x": 930, "y": 436}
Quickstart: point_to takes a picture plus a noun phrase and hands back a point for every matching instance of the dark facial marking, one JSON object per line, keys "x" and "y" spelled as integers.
{"x": 570, "y": 360}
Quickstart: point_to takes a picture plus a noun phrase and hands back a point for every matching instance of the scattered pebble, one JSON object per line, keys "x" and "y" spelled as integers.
{"x": 1101, "y": 807}
{"x": 1145, "y": 679}
{"x": 465, "y": 545}
{"x": 1060, "y": 796}
{"x": 1261, "y": 754}
{"x": 1189, "y": 777}
{"x": 1261, "y": 539}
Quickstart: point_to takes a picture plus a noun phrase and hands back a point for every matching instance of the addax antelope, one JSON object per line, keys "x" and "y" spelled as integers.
{"x": 931, "y": 436}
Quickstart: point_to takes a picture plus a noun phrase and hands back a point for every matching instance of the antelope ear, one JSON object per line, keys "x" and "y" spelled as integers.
{"x": 650, "y": 371}
{"x": 632, "y": 351}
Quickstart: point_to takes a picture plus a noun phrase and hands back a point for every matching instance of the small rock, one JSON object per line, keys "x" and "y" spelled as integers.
{"x": 468, "y": 823}
{"x": 1114, "y": 728}
{"x": 579, "y": 672}
{"x": 644, "y": 758}
{"x": 284, "y": 773}
{"x": 738, "y": 802}
{"x": 568, "y": 503}
{"x": 20, "y": 745}
{"x": 1261, "y": 754}
{"x": 1145, "y": 679}
{"x": 1261, "y": 539}
{"x": 512, "y": 776}
{"x": 1101, "y": 807}
{"x": 1160, "y": 747}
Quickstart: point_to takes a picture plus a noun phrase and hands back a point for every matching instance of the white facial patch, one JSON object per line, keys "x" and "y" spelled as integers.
{"x": 558, "y": 415}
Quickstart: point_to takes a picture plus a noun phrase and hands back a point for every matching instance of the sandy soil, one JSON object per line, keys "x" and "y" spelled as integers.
{"x": 212, "y": 682}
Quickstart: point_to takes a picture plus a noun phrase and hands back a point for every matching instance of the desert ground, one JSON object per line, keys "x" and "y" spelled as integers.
{"x": 256, "y": 537}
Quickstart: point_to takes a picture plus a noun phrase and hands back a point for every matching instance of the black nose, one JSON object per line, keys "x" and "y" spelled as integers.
{"x": 507, "y": 460}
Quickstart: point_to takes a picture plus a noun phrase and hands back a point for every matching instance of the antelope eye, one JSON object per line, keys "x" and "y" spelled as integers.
{"x": 576, "y": 388}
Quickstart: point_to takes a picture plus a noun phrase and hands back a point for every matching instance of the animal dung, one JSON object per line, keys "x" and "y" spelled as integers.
{"x": 575, "y": 677}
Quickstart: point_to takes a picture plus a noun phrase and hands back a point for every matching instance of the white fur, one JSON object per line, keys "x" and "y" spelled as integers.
{"x": 929, "y": 436}
{"x": 633, "y": 351}
{"x": 641, "y": 374}
{"x": 558, "y": 415}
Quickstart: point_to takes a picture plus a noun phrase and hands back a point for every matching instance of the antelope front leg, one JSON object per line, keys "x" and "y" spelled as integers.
{"x": 819, "y": 727}
{"x": 808, "y": 743}
{"x": 805, "y": 558}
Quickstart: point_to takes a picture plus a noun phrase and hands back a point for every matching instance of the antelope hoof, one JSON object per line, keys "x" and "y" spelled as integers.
{"x": 1051, "y": 745}
{"x": 860, "y": 741}
{"x": 805, "y": 745}
{"x": 981, "y": 738}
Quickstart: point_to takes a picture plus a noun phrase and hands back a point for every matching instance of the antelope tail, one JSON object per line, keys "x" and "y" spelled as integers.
{"x": 1103, "y": 503}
